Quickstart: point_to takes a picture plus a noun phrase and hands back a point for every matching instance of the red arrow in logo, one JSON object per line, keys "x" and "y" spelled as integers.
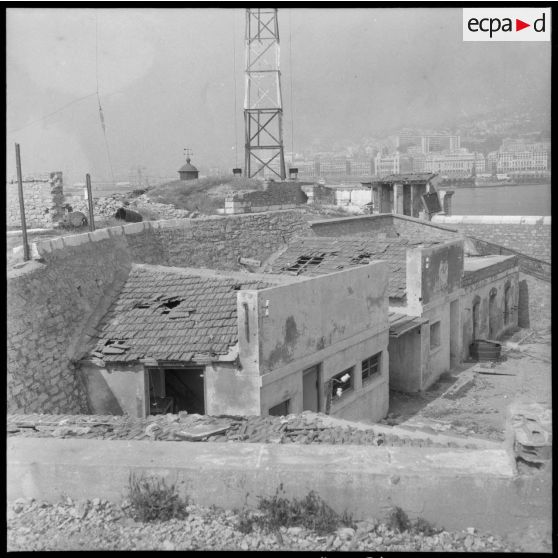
{"x": 519, "y": 25}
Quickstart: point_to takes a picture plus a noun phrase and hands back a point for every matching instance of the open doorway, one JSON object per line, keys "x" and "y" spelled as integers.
{"x": 311, "y": 389}
{"x": 177, "y": 389}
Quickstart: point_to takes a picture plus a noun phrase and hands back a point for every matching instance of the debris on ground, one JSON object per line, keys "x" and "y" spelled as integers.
{"x": 102, "y": 525}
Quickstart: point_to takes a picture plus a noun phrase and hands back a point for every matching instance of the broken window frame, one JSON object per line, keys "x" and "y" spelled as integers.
{"x": 371, "y": 367}
{"x": 335, "y": 382}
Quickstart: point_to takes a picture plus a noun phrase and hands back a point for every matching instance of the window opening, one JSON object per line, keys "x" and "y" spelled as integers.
{"x": 371, "y": 367}
{"x": 338, "y": 386}
{"x": 281, "y": 409}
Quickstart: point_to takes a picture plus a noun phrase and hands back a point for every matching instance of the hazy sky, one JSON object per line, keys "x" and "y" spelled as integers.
{"x": 166, "y": 81}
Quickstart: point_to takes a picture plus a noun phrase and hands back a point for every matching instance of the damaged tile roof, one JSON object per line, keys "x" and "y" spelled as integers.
{"x": 320, "y": 255}
{"x": 171, "y": 315}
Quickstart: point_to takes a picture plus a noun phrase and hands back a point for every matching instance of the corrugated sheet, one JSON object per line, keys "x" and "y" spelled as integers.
{"x": 401, "y": 323}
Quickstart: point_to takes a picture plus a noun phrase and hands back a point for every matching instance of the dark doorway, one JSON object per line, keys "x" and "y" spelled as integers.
{"x": 476, "y": 308}
{"x": 492, "y": 315}
{"x": 311, "y": 389}
{"x": 407, "y": 203}
{"x": 186, "y": 388}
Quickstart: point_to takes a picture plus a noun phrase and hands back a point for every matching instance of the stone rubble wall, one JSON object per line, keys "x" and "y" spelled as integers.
{"x": 277, "y": 195}
{"x": 47, "y": 308}
{"x": 107, "y": 207}
{"x": 529, "y": 235}
{"x": 43, "y": 199}
{"x": 51, "y": 301}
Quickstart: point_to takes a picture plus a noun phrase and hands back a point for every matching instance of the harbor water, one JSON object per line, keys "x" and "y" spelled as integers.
{"x": 521, "y": 199}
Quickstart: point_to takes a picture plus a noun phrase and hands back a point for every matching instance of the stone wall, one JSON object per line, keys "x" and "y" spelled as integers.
{"x": 275, "y": 196}
{"x": 387, "y": 223}
{"x": 43, "y": 199}
{"x": 534, "y": 302}
{"x": 529, "y": 235}
{"x": 48, "y": 310}
{"x": 54, "y": 304}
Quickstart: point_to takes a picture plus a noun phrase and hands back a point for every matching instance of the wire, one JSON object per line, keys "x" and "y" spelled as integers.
{"x": 291, "y": 82}
{"x": 51, "y": 114}
{"x": 235, "y": 99}
{"x": 101, "y": 115}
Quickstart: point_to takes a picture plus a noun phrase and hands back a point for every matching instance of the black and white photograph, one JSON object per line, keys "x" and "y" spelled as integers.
{"x": 278, "y": 278}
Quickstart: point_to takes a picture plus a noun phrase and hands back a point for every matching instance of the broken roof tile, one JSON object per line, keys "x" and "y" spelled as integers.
{"x": 196, "y": 308}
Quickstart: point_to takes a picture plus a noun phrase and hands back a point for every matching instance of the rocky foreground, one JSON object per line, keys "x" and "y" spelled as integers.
{"x": 101, "y": 525}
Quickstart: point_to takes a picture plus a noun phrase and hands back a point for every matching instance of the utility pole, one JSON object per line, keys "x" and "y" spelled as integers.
{"x": 21, "y": 205}
{"x": 90, "y": 202}
{"x": 263, "y": 105}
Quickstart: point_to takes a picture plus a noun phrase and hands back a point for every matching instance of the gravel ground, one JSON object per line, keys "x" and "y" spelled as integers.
{"x": 101, "y": 525}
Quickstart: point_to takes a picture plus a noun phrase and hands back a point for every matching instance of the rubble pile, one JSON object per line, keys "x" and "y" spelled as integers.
{"x": 300, "y": 429}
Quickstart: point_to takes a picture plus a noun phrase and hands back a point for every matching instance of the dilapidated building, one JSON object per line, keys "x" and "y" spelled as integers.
{"x": 202, "y": 341}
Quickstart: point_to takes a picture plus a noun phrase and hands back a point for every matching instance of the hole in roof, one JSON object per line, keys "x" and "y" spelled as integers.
{"x": 304, "y": 262}
{"x": 171, "y": 303}
{"x": 362, "y": 258}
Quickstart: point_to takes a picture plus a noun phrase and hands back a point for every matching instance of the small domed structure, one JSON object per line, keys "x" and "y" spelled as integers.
{"x": 188, "y": 171}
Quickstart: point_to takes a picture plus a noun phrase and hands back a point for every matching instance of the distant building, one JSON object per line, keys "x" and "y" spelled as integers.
{"x": 456, "y": 163}
{"x": 513, "y": 161}
{"x": 427, "y": 143}
{"x": 392, "y": 164}
{"x": 188, "y": 171}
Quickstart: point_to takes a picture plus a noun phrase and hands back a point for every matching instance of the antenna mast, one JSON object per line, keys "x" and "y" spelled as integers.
{"x": 263, "y": 106}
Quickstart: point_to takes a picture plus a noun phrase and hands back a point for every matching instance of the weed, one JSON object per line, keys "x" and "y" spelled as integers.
{"x": 245, "y": 523}
{"x": 424, "y": 527}
{"x": 398, "y": 520}
{"x": 151, "y": 499}
{"x": 310, "y": 512}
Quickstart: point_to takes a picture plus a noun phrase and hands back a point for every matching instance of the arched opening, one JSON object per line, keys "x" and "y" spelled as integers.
{"x": 492, "y": 318}
{"x": 476, "y": 317}
{"x": 507, "y": 308}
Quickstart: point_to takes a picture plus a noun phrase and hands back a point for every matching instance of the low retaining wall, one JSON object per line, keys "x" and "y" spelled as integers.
{"x": 451, "y": 488}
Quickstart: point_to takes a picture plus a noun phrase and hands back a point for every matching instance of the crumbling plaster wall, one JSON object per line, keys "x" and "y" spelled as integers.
{"x": 116, "y": 390}
{"x": 43, "y": 199}
{"x": 334, "y": 320}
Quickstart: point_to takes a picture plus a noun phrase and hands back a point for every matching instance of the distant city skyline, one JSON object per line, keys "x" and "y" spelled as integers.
{"x": 167, "y": 78}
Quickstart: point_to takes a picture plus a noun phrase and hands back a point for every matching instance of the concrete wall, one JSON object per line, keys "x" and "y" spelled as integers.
{"x": 54, "y": 305}
{"x": 43, "y": 199}
{"x": 405, "y": 354}
{"x": 453, "y": 488}
{"x": 527, "y": 234}
{"x": 433, "y": 273}
{"x": 231, "y": 390}
{"x": 334, "y": 320}
{"x": 118, "y": 390}
{"x": 481, "y": 290}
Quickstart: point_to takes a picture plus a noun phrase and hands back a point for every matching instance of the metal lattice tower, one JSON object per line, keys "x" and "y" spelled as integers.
{"x": 263, "y": 107}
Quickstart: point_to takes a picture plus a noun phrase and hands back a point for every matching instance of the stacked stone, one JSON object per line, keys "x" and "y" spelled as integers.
{"x": 43, "y": 198}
